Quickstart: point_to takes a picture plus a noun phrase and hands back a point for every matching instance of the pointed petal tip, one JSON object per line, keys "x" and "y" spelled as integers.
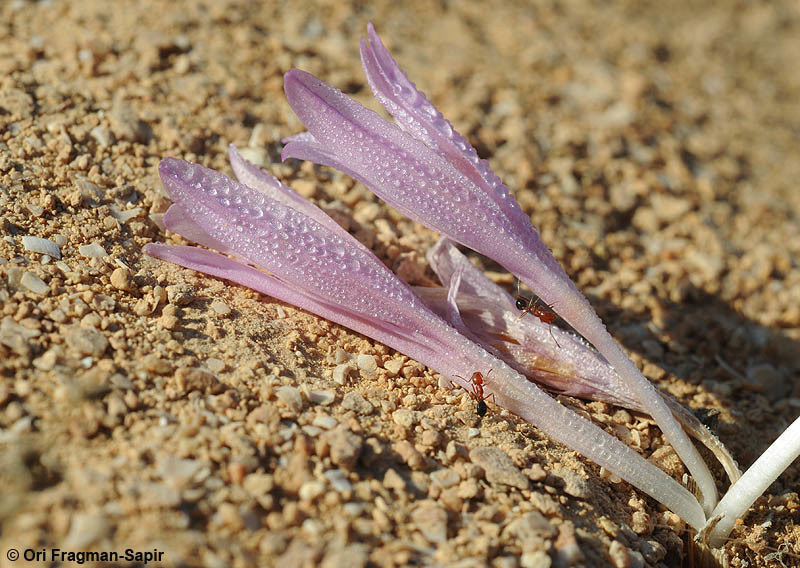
{"x": 294, "y": 76}
{"x": 151, "y": 249}
{"x": 170, "y": 168}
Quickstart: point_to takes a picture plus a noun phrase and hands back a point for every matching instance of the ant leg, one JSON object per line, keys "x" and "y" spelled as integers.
{"x": 553, "y": 336}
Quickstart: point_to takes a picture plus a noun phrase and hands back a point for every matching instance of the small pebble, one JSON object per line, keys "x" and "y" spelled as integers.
{"x": 43, "y": 246}
{"x": 93, "y": 250}
{"x": 342, "y": 371}
{"x": 432, "y": 522}
{"x": 567, "y": 550}
{"x": 325, "y": 421}
{"x": 574, "y": 484}
{"x": 445, "y": 478}
{"x": 121, "y": 279}
{"x": 86, "y": 341}
{"x": 619, "y": 554}
{"x": 410, "y": 455}
{"x": 345, "y": 447}
{"x": 36, "y": 210}
{"x": 535, "y": 559}
{"x": 310, "y": 490}
{"x": 393, "y": 366}
{"x": 103, "y": 136}
{"x": 405, "y": 418}
{"x": 290, "y": 396}
{"x": 181, "y": 294}
{"x": 342, "y": 356}
{"x": 498, "y": 466}
{"x": 33, "y": 283}
{"x": 338, "y": 480}
{"x": 367, "y": 365}
{"x": 193, "y": 379}
{"x": 168, "y": 321}
{"x": 155, "y": 364}
{"x": 220, "y": 307}
{"x": 322, "y": 397}
{"x": 356, "y": 402}
{"x": 530, "y": 526}
{"x": 392, "y": 480}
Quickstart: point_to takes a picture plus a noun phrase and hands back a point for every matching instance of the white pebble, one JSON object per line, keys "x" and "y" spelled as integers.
{"x": 312, "y": 431}
{"x": 340, "y": 372}
{"x": 367, "y": 364}
{"x": 33, "y": 283}
{"x": 220, "y": 307}
{"x": 310, "y": 490}
{"x": 322, "y": 397}
{"x": 325, "y": 421}
{"x": 63, "y": 266}
{"x": 93, "y": 250}
{"x": 43, "y": 246}
{"x": 290, "y": 396}
{"x": 103, "y": 135}
{"x": 123, "y": 216}
{"x": 473, "y": 433}
{"x": 338, "y": 480}
{"x": 342, "y": 356}
{"x": 36, "y": 210}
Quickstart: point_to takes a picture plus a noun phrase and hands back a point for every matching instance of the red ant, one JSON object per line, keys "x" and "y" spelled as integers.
{"x": 544, "y": 313}
{"x": 478, "y": 381}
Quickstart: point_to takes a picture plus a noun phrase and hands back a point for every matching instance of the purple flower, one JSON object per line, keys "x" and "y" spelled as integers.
{"x": 277, "y": 243}
{"x": 425, "y": 169}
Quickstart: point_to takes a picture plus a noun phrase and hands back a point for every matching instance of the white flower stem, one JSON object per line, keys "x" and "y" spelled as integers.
{"x": 755, "y": 481}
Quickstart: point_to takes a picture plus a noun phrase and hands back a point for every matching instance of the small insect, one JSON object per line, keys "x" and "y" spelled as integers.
{"x": 544, "y": 313}
{"x": 478, "y": 382}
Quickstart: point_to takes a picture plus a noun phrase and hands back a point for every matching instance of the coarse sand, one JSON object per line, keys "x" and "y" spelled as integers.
{"x": 144, "y": 406}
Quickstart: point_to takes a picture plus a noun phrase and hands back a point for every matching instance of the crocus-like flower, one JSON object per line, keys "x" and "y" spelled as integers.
{"x": 281, "y": 245}
{"x": 425, "y": 169}
{"x": 557, "y": 359}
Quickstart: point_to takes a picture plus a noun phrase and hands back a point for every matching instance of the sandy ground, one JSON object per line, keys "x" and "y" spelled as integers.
{"x": 148, "y": 407}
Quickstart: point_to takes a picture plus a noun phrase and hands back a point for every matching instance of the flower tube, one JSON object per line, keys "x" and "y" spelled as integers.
{"x": 485, "y": 313}
{"x": 282, "y": 246}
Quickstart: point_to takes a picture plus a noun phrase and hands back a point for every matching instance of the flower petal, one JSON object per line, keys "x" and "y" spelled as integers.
{"x": 417, "y": 115}
{"x": 252, "y": 176}
{"x": 400, "y": 169}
